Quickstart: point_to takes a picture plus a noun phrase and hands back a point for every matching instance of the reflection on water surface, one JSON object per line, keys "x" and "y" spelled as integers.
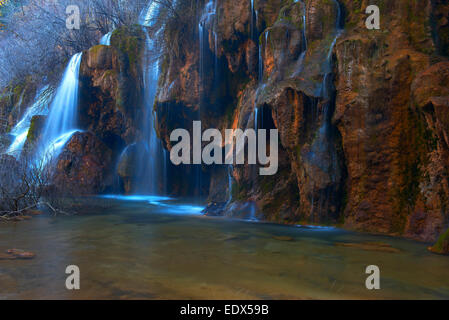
{"x": 146, "y": 247}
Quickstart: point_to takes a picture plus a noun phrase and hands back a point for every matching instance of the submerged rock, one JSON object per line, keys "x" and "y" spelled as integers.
{"x": 5, "y": 256}
{"x": 215, "y": 209}
{"x": 283, "y": 238}
{"x": 369, "y": 246}
{"x": 34, "y": 212}
{"x": 13, "y": 254}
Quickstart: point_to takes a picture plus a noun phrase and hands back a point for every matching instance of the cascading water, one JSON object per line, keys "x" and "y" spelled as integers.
{"x": 256, "y": 128}
{"x": 216, "y": 56}
{"x": 322, "y": 144}
{"x": 230, "y": 169}
{"x": 151, "y": 156}
{"x": 328, "y": 71}
{"x": 148, "y": 15}
{"x": 20, "y": 131}
{"x": 261, "y": 57}
{"x": 254, "y": 36}
{"x": 252, "y": 19}
{"x": 338, "y": 31}
{"x": 256, "y": 118}
{"x": 62, "y": 118}
{"x": 303, "y": 21}
{"x": 299, "y": 64}
{"x": 253, "y": 212}
{"x": 206, "y": 20}
{"x": 106, "y": 39}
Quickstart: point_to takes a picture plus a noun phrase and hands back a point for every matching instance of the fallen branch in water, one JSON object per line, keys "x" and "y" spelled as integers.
{"x": 9, "y": 215}
{"x": 55, "y": 211}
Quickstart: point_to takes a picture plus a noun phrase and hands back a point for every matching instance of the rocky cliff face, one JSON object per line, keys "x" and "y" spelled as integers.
{"x": 396, "y": 160}
{"x": 359, "y": 112}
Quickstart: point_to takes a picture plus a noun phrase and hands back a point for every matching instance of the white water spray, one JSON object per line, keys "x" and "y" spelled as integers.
{"x": 62, "y": 119}
{"x": 106, "y": 39}
{"x": 20, "y": 131}
{"x": 151, "y": 161}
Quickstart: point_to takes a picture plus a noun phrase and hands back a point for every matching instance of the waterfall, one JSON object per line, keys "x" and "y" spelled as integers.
{"x": 230, "y": 169}
{"x": 300, "y": 62}
{"x": 256, "y": 116}
{"x": 328, "y": 72}
{"x": 20, "y": 131}
{"x": 62, "y": 118}
{"x": 253, "y": 211}
{"x": 253, "y": 32}
{"x": 165, "y": 170}
{"x": 260, "y": 63}
{"x": 253, "y": 13}
{"x": 323, "y": 144}
{"x": 148, "y": 15}
{"x": 304, "y": 29}
{"x": 106, "y": 39}
{"x": 205, "y": 20}
{"x": 151, "y": 158}
{"x": 338, "y": 32}
{"x": 54, "y": 148}
{"x": 216, "y": 56}
{"x": 254, "y": 171}
{"x": 152, "y": 168}
{"x": 201, "y": 40}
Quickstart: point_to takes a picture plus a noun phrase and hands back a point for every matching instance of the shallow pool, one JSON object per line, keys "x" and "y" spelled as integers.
{"x": 162, "y": 248}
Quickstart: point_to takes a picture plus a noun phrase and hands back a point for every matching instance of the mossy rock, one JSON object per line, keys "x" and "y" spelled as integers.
{"x": 37, "y": 125}
{"x": 13, "y": 101}
{"x": 442, "y": 245}
{"x": 101, "y": 57}
{"x": 291, "y": 14}
{"x": 131, "y": 42}
{"x": 238, "y": 191}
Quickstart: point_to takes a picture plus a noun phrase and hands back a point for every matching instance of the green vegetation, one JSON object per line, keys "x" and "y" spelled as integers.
{"x": 36, "y": 125}
{"x": 239, "y": 191}
{"x": 130, "y": 41}
{"x": 442, "y": 245}
{"x": 414, "y": 143}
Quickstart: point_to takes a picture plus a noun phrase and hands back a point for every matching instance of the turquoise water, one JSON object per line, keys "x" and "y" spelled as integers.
{"x": 160, "y": 248}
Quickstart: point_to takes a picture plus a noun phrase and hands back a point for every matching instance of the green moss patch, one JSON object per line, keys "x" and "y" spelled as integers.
{"x": 442, "y": 244}
{"x": 130, "y": 41}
